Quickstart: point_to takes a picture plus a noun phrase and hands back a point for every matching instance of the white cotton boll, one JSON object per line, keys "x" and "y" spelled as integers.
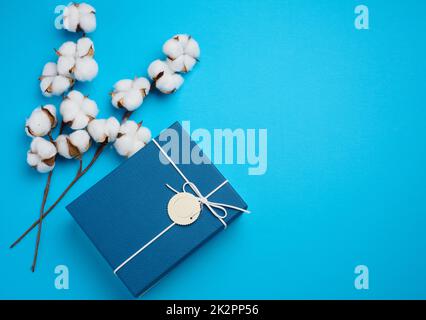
{"x": 41, "y": 121}
{"x": 144, "y": 134}
{"x": 131, "y": 138}
{"x": 123, "y": 85}
{"x": 66, "y": 60}
{"x": 61, "y": 143}
{"x": 117, "y": 99}
{"x": 44, "y": 86}
{"x": 172, "y": 48}
{"x": 85, "y": 47}
{"x": 71, "y": 18}
{"x": 123, "y": 146}
{"x": 88, "y": 23}
{"x": 44, "y": 168}
{"x": 87, "y": 18}
{"x": 129, "y": 127}
{"x": 76, "y": 96}
{"x": 41, "y": 155}
{"x": 69, "y": 110}
{"x": 49, "y": 70}
{"x": 38, "y": 124}
{"x": 182, "y": 52}
{"x": 73, "y": 145}
{"x": 40, "y": 166}
{"x": 81, "y": 140}
{"x": 129, "y": 94}
{"x": 86, "y": 69}
{"x": 89, "y": 107}
{"x": 51, "y": 83}
{"x": 80, "y": 121}
{"x": 68, "y": 48}
{"x": 178, "y": 80}
{"x": 76, "y": 60}
{"x": 104, "y": 130}
{"x": 158, "y": 68}
{"x": 183, "y": 63}
{"x": 189, "y": 62}
{"x": 96, "y": 129}
{"x": 142, "y": 84}
{"x": 78, "y": 110}
{"x": 169, "y": 83}
{"x": 79, "y": 17}
{"x": 126, "y": 138}
{"x": 132, "y": 99}
{"x": 183, "y": 38}
{"x": 85, "y": 8}
{"x": 52, "y": 110}
{"x": 165, "y": 79}
{"x": 112, "y": 127}
{"x": 60, "y": 84}
{"x": 66, "y": 65}
{"x": 32, "y": 159}
{"x": 45, "y": 149}
{"x": 192, "y": 48}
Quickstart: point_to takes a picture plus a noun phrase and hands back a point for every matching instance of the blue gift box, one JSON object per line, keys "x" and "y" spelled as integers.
{"x": 126, "y": 209}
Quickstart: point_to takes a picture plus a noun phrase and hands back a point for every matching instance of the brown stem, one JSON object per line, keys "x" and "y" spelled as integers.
{"x": 81, "y": 172}
{"x": 126, "y": 116}
{"x": 40, "y": 221}
{"x": 61, "y": 129}
{"x": 80, "y": 165}
{"x": 46, "y": 192}
{"x": 43, "y": 204}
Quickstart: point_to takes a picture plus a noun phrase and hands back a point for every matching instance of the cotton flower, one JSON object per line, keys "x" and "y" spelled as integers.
{"x": 182, "y": 52}
{"x": 78, "y": 110}
{"x": 79, "y": 17}
{"x": 52, "y": 83}
{"x": 129, "y": 94}
{"x": 104, "y": 130}
{"x": 73, "y": 145}
{"x": 41, "y": 155}
{"x": 76, "y": 59}
{"x": 165, "y": 79}
{"x": 41, "y": 121}
{"x": 131, "y": 138}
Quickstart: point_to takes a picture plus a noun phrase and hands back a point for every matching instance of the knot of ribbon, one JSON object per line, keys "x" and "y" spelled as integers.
{"x": 204, "y": 200}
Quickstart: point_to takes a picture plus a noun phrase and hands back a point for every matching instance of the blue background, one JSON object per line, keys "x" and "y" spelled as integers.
{"x": 345, "y": 115}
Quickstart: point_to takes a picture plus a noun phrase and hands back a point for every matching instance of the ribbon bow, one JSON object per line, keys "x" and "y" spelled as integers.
{"x": 210, "y": 204}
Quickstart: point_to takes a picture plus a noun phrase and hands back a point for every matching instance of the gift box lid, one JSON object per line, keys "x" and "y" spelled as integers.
{"x": 126, "y": 209}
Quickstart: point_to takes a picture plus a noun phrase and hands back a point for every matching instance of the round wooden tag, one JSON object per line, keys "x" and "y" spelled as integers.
{"x": 184, "y": 208}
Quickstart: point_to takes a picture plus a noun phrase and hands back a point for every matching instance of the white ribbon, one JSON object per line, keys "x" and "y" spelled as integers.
{"x": 203, "y": 200}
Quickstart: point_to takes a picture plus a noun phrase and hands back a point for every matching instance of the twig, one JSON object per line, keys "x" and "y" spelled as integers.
{"x": 40, "y": 221}
{"x": 46, "y": 192}
{"x": 126, "y": 116}
{"x": 43, "y": 203}
{"x": 79, "y": 174}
